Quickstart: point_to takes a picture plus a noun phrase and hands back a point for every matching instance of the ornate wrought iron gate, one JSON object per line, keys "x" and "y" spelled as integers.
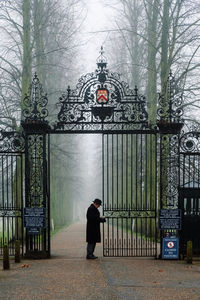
{"x": 189, "y": 191}
{"x": 103, "y": 104}
{"x": 11, "y": 191}
{"x": 141, "y": 162}
{"x": 130, "y": 194}
{"x": 37, "y": 203}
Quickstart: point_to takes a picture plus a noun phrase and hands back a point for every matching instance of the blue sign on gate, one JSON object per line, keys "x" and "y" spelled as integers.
{"x": 170, "y": 248}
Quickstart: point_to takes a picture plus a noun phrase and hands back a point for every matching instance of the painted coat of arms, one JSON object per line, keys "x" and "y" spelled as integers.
{"x": 102, "y": 96}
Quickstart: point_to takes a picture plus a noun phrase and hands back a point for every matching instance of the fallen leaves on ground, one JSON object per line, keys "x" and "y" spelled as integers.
{"x": 25, "y": 266}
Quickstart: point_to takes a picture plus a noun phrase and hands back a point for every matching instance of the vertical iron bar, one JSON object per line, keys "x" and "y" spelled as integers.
{"x": 103, "y": 192}
{"x": 112, "y": 177}
{"x": 126, "y": 175}
{"x": 146, "y": 172}
{"x": 117, "y": 236}
{"x": 197, "y": 173}
{"x": 117, "y": 171}
{"x": 27, "y": 184}
{"x": 48, "y": 196}
{"x": 122, "y": 179}
{"x": 112, "y": 236}
{"x": 152, "y": 157}
{"x": 22, "y": 205}
{"x": 141, "y": 235}
{"x": 7, "y": 178}
{"x": 189, "y": 168}
{"x": 16, "y": 180}
{"x": 156, "y": 192}
{"x": 183, "y": 175}
{"x": 108, "y": 198}
{"x": 152, "y": 246}
{"x": 146, "y": 235}
{"x": 2, "y": 180}
{"x": 141, "y": 173}
{"x": 131, "y": 219}
{"x": 122, "y": 236}
{"x": 132, "y": 185}
{"x": 7, "y": 198}
{"x": 136, "y": 170}
{"x": 127, "y": 236}
{"x": 12, "y": 182}
{"x": 136, "y": 235}
{"x": 16, "y": 184}
{"x": 194, "y": 170}
{"x": 161, "y": 158}
{"x": 3, "y": 196}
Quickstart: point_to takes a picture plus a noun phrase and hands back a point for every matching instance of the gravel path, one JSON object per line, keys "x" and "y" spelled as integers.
{"x": 68, "y": 275}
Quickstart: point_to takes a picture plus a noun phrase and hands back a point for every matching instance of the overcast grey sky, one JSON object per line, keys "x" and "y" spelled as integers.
{"x": 99, "y": 18}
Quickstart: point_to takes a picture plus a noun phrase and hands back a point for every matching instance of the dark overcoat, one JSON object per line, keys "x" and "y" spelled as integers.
{"x": 93, "y": 234}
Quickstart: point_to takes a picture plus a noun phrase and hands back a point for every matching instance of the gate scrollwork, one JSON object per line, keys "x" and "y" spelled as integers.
{"x": 11, "y": 141}
{"x": 35, "y": 102}
{"x": 101, "y": 98}
{"x": 190, "y": 142}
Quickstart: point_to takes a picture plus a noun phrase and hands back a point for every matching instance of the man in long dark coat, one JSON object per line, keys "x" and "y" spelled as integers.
{"x": 93, "y": 234}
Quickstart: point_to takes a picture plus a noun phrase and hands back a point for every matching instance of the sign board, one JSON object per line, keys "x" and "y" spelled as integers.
{"x": 170, "y": 219}
{"x": 170, "y": 248}
{"x": 34, "y": 219}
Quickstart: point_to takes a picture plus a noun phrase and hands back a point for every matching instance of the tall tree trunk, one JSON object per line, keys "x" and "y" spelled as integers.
{"x": 135, "y": 47}
{"x": 164, "y": 73}
{"x": 27, "y": 53}
{"x": 151, "y": 62}
{"x": 38, "y": 38}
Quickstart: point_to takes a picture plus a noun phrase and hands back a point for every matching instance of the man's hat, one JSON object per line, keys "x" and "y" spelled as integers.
{"x": 97, "y": 201}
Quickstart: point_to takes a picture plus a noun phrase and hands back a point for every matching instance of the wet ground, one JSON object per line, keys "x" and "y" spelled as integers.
{"x": 68, "y": 275}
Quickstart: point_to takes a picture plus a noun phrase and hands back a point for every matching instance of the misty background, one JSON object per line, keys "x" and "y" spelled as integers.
{"x": 60, "y": 40}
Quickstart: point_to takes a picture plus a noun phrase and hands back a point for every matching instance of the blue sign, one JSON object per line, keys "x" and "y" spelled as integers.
{"x": 170, "y": 248}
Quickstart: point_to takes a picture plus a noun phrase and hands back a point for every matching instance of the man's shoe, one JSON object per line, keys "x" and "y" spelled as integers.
{"x": 91, "y": 257}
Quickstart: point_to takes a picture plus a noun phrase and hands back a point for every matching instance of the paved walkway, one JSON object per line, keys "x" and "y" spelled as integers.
{"x": 68, "y": 275}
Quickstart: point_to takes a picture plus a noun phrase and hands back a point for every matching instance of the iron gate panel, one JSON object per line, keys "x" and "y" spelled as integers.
{"x": 130, "y": 194}
{"x": 37, "y": 193}
{"x": 11, "y": 201}
{"x": 189, "y": 200}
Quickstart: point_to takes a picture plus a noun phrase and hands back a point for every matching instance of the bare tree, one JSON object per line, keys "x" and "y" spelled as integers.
{"x": 160, "y": 36}
{"x": 38, "y": 36}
